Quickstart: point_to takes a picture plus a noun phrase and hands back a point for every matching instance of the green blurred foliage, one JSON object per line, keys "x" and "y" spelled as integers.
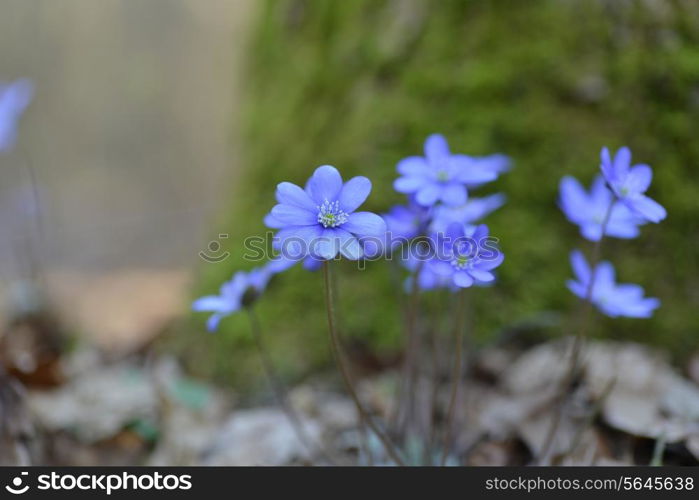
{"x": 360, "y": 84}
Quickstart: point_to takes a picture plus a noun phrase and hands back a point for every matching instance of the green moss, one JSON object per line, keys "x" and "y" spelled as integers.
{"x": 360, "y": 84}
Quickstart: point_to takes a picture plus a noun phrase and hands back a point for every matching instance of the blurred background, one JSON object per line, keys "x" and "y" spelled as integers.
{"x": 131, "y": 143}
{"x": 157, "y": 127}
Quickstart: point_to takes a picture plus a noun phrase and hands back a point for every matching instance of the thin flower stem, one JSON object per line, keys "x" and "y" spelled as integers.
{"x": 397, "y": 409}
{"x": 344, "y": 370}
{"x": 279, "y": 389}
{"x": 579, "y": 340}
{"x": 456, "y": 374}
{"x": 412, "y": 347}
{"x": 364, "y": 445}
{"x": 434, "y": 387}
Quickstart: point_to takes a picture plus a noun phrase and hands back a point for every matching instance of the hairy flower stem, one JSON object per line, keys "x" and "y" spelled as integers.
{"x": 279, "y": 389}
{"x": 456, "y": 374}
{"x": 344, "y": 370}
{"x": 583, "y": 321}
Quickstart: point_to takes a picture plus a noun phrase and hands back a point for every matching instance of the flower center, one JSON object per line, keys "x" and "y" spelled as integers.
{"x": 460, "y": 262}
{"x": 330, "y": 215}
{"x": 442, "y": 176}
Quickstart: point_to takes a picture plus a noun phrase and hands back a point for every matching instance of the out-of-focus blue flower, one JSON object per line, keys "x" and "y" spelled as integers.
{"x": 320, "y": 221}
{"x": 14, "y": 99}
{"x": 497, "y": 163}
{"x": 233, "y": 294}
{"x": 467, "y": 255}
{"x": 629, "y": 184}
{"x": 612, "y": 299}
{"x": 588, "y": 210}
{"x": 403, "y": 223}
{"x": 427, "y": 279}
{"x": 441, "y": 175}
{"x": 469, "y": 213}
{"x": 407, "y": 221}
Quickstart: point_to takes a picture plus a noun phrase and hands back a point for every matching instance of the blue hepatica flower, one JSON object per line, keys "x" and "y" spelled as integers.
{"x": 441, "y": 175}
{"x": 589, "y": 210}
{"x": 427, "y": 279}
{"x": 495, "y": 163}
{"x": 14, "y": 99}
{"x": 612, "y": 299}
{"x": 321, "y": 220}
{"x": 467, "y": 255}
{"x": 629, "y": 184}
{"x": 469, "y": 213}
{"x": 234, "y": 294}
{"x": 403, "y": 223}
{"x": 407, "y": 221}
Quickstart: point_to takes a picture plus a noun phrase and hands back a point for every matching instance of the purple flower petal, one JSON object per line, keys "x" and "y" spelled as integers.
{"x": 604, "y": 276}
{"x": 413, "y": 166}
{"x": 577, "y": 288}
{"x": 208, "y": 303}
{"x": 622, "y": 227}
{"x": 295, "y": 242}
{"x": 639, "y": 178}
{"x": 599, "y": 192}
{"x": 441, "y": 267}
{"x": 354, "y": 193}
{"x": 436, "y": 148}
{"x": 463, "y": 279}
{"x": 606, "y": 165}
{"x": 213, "y": 321}
{"x": 480, "y": 275}
{"x": 428, "y": 195}
{"x": 272, "y": 223}
{"x": 408, "y": 184}
{"x": 573, "y": 198}
{"x": 454, "y": 232}
{"x": 490, "y": 263}
{"x": 291, "y": 194}
{"x": 454, "y": 194}
{"x": 647, "y": 208}
{"x": 365, "y": 224}
{"x": 292, "y": 215}
{"x": 480, "y": 234}
{"x": 592, "y": 231}
{"x": 327, "y": 246}
{"x": 471, "y": 171}
{"x": 311, "y": 264}
{"x": 325, "y": 184}
{"x": 622, "y": 162}
{"x": 349, "y": 244}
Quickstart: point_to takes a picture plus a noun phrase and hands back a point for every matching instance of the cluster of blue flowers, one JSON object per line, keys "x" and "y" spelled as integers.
{"x": 441, "y": 211}
{"x": 321, "y": 221}
{"x": 615, "y": 206}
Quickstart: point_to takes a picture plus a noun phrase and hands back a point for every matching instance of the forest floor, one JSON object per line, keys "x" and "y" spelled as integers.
{"x": 90, "y": 407}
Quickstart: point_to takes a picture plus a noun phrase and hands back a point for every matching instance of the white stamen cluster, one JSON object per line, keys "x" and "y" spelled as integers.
{"x": 330, "y": 214}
